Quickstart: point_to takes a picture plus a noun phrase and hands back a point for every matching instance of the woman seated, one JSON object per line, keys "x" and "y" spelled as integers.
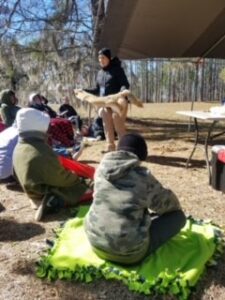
{"x": 111, "y": 79}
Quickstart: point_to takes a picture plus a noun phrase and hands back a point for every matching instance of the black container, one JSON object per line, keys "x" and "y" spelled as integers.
{"x": 218, "y": 173}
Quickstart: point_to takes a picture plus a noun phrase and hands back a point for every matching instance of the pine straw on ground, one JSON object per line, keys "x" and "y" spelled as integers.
{"x": 22, "y": 240}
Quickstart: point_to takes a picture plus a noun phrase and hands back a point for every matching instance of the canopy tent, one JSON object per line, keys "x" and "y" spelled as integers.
{"x": 136, "y": 29}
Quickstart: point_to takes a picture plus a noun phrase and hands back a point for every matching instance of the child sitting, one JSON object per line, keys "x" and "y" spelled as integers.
{"x": 37, "y": 167}
{"x": 119, "y": 225}
{"x": 8, "y": 107}
{"x": 8, "y": 141}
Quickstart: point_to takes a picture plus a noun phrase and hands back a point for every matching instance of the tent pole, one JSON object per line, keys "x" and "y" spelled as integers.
{"x": 196, "y": 88}
{"x": 213, "y": 46}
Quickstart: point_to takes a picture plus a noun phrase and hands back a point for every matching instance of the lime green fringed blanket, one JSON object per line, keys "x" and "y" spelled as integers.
{"x": 173, "y": 269}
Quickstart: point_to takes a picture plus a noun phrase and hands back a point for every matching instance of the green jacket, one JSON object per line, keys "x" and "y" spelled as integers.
{"x": 118, "y": 222}
{"x": 8, "y": 111}
{"x": 39, "y": 171}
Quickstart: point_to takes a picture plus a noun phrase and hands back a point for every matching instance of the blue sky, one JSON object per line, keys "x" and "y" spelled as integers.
{"x": 35, "y": 12}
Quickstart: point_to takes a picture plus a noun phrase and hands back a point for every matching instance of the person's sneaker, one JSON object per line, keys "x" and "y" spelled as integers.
{"x": 78, "y": 151}
{"x": 50, "y": 204}
{"x": 98, "y": 138}
{"x": 14, "y": 186}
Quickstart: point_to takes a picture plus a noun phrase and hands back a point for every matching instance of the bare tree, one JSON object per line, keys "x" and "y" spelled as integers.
{"x": 49, "y": 42}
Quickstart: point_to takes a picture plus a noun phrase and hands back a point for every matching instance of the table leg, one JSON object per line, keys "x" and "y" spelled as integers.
{"x": 196, "y": 141}
{"x": 206, "y": 149}
{"x": 218, "y": 134}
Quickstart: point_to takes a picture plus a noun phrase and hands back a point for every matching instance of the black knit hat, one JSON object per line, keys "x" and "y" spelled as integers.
{"x": 134, "y": 143}
{"x": 106, "y": 52}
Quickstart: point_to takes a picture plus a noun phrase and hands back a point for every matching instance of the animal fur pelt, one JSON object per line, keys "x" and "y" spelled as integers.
{"x": 110, "y": 101}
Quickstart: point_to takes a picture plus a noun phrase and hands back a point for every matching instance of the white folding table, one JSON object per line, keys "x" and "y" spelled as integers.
{"x": 207, "y": 116}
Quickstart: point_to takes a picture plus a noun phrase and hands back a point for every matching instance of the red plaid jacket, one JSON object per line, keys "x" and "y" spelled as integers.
{"x": 61, "y": 133}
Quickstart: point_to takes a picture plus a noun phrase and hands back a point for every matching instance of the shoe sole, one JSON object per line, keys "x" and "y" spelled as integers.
{"x": 40, "y": 211}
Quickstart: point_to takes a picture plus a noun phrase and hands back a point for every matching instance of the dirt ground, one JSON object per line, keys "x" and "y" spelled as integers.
{"x": 22, "y": 240}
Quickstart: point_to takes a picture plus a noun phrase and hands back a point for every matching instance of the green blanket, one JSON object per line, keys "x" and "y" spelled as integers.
{"x": 173, "y": 269}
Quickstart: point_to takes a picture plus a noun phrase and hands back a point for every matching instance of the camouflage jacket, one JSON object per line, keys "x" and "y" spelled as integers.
{"x": 118, "y": 220}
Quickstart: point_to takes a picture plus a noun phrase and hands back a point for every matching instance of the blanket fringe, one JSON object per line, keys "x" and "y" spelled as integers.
{"x": 166, "y": 283}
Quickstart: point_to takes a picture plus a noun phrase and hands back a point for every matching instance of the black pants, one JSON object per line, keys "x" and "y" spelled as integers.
{"x": 165, "y": 227}
{"x": 8, "y": 179}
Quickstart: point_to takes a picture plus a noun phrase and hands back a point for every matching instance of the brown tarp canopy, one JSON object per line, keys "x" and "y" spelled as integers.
{"x": 136, "y": 29}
